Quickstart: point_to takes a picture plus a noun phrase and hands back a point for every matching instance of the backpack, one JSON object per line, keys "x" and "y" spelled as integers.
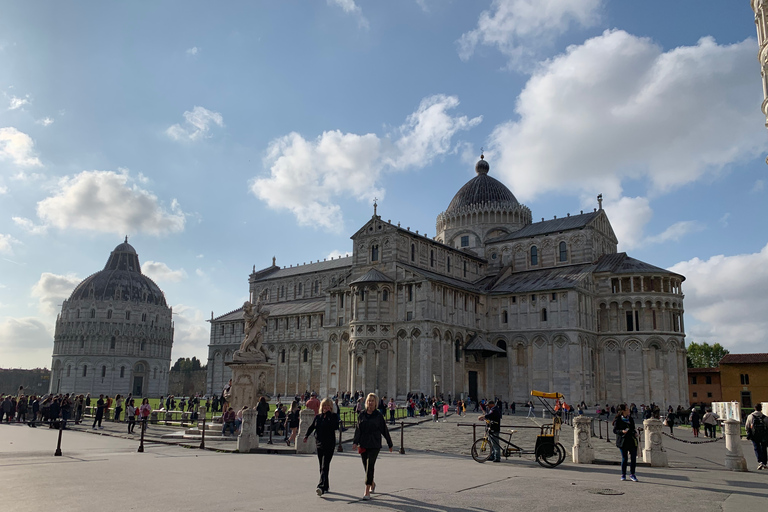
{"x": 759, "y": 428}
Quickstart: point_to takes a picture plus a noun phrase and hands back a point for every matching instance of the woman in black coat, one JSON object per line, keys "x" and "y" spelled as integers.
{"x": 626, "y": 441}
{"x": 370, "y": 427}
{"x": 324, "y": 426}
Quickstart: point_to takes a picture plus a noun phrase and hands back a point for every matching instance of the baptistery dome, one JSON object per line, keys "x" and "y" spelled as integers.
{"x": 114, "y": 334}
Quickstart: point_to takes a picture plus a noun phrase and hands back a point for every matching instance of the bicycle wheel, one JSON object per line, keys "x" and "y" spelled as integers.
{"x": 549, "y": 456}
{"x": 481, "y": 450}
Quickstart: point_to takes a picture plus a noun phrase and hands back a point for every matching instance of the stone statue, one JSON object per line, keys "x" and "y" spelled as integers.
{"x": 251, "y": 349}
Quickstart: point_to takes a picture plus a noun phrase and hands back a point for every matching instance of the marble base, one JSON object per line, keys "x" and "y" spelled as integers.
{"x": 249, "y": 383}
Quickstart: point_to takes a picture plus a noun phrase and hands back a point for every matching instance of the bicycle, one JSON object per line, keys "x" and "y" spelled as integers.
{"x": 548, "y": 452}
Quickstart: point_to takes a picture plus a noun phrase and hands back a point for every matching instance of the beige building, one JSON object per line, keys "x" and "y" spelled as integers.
{"x": 493, "y": 305}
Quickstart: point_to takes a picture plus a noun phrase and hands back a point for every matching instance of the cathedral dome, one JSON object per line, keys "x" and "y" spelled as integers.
{"x": 121, "y": 279}
{"x": 482, "y": 189}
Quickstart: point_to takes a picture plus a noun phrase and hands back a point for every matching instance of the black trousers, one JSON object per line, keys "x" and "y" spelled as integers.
{"x": 98, "y": 418}
{"x": 369, "y": 461}
{"x": 260, "y": 421}
{"x": 324, "y": 456}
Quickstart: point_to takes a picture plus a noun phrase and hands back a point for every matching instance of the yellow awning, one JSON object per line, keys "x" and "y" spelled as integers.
{"x": 542, "y": 394}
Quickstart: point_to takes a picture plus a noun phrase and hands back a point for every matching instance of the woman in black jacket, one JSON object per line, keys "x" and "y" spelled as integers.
{"x": 324, "y": 426}
{"x": 370, "y": 427}
{"x": 626, "y": 441}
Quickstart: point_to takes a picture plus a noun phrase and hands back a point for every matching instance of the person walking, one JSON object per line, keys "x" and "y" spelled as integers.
{"x": 493, "y": 417}
{"x": 144, "y": 411}
{"x": 626, "y": 441}
{"x": 530, "y": 410}
{"x": 130, "y": 413}
{"x": 367, "y": 441}
{"x": 99, "y": 412}
{"x": 757, "y": 432}
{"x": 324, "y": 427}
{"x": 710, "y": 423}
{"x": 392, "y": 406}
{"x": 669, "y": 420}
{"x": 262, "y": 411}
{"x": 292, "y": 422}
{"x": 695, "y": 422}
{"x": 119, "y": 407}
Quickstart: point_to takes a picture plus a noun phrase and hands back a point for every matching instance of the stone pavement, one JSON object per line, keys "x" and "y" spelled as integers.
{"x": 105, "y": 471}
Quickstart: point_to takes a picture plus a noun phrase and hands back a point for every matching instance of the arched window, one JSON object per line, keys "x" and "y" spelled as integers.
{"x": 93, "y": 313}
{"x": 502, "y": 345}
{"x": 362, "y": 294}
{"x": 534, "y": 256}
{"x": 457, "y": 351}
{"x": 109, "y": 314}
{"x": 317, "y": 287}
{"x": 122, "y": 372}
{"x": 504, "y": 317}
{"x": 465, "y": 269}
{"x": 413, "y": 252}
{"x": 300, "y": 289}
{"x": 112, "y": 343}
{"x": 431, "y": 257}
{"x": 155, "y": 374}
{"x": 103, "y": 371}
{"x": 69, "y": 370}
{"x": 78, "y": 313}
{"x": 222, "y": 330}
{"x": 82, "y": 342}
{"x": 232, "y": 329}
{"x": 563, "y": 251}
{"x": 85, "y": 370}
{"x": 306, "y": 353}
{"x": 127, "y": 315}
{"x": 143, "y": 317}
{"x": 543, "y": 314}
{"x": 449, "y": 264}
{"x": 282, "y": 356}
{"x": 385, "y": 295}
{"x": 375, "y": 252}
{"x": 143, "y": 345}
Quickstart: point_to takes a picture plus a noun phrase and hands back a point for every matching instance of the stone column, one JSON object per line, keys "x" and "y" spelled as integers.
{"x": 654, "y": 452}
{"x": 306, "y": 417}
{"x": 583, "y": 452}
{"x": 247, "y": 440}
{"x": 734, "y": 456}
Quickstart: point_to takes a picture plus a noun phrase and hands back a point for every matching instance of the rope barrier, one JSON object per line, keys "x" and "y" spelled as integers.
{"x": 693, "y": 442}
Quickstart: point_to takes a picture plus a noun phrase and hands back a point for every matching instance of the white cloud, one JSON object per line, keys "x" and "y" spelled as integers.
{"x": 335, "y": 254}
{"x": 17, "y": 147}
{"x": 29, "y": 226}
{"x": 350, "y": 7}
{"x": 3, "y": 189}
{"x": 191, "y": 333}
{"x": 308, "y": 177}
{"x": 758, "y": 186}
{"x": 197, "y": 125}
{"x": 46, "y": 121}
{"x": 6, "y": 244}
{"x": 520, "y": 28}
{"x": 192, "y": 52}
{"x": 24, "y": 342}
{"x": 726, "y": 297}
{"x": 618, "y": 107}
{"x": 200, "y": 272}
{"x": 14, "y": 102}
{"x": 107, "y": 202}
{"x": 675, "y": 232}
{"x": 53, "y": 289}
{"x": 158, "y": 271}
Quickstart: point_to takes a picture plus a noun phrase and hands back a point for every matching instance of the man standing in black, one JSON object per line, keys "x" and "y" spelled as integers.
{"x": 99, "y": 412}
{"x": 493, "y": 417}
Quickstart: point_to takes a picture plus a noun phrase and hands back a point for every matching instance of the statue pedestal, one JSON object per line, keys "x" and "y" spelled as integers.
{"x": 248, "y": 439}
{"x": 734, "y": 456}
{"x": 249, "y": 382}
{"x": 654, "y": 452}
{"x": 583, "y": 452}
{"x": 306, "y": 417}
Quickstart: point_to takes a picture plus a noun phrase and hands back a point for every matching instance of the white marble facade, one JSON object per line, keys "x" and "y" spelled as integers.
{"x": 493, "y": 305}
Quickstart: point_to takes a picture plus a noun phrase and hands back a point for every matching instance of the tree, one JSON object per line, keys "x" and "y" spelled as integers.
{"x": 187, "y": 365}
{"x": 702, "y": 355}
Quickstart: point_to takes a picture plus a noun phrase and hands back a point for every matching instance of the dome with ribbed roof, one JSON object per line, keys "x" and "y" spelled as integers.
{"x": 121, "y": 279}
{"x": 482, "y": 189}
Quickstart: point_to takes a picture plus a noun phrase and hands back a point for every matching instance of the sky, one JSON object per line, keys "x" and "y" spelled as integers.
{"x": 217, "y": 136}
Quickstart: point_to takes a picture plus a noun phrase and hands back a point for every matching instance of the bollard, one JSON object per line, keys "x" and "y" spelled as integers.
{"x": 402, "y": 444}
{"x": 143, "y": 428}
{"x": 607, "y": 431}
{"x": 203, "y": 410}
{"x": 654, "y": 452}
{"x": 57, "y": 453}
{"x": 341, "y": 429}
{"x": 582, "y": 452}
{"x": 734, "y": 456}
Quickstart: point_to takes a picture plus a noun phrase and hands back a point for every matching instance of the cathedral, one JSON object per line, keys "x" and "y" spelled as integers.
{"x": 494, "y": 305}
{"x": 114, "y": 333}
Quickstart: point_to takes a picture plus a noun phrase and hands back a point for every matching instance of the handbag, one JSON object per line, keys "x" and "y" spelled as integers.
{"x": 665, "y": 423}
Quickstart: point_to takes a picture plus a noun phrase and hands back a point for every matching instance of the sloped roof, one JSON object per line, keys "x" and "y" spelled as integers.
{"x": 308, "y": 268}
{"x": 744, "y": 359}
{"x": 434, "y": 276}
{"x": 296, "y": 307}
{"x": 620, "y": 263}
{"x": 236, "y": 314}
{"x": 477, "y": 342}
{"x": 550, "y": 226}
{"x": 558, "y": 278}
{"x": 373, "y": 276}
{"x": 703, "y": 370}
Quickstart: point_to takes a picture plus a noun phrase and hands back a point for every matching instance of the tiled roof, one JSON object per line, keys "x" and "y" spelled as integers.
{"x": 550, "y": 226}
{"x": 237, "y": 314}
{"x": 296, "y": 307}
{"x": 558, "y": 278}
{"x": 620, "y": 263}
{"x": 309, "y": 268}
{"x": 479, "y": 343}
{"x": 703, "y": 370}
{"x": 434, "y": 276}
{"x": 744, "y": 359}
{"x": 373, "y": 276}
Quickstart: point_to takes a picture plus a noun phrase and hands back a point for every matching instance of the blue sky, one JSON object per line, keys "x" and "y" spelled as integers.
{"x": 219, "y": 135}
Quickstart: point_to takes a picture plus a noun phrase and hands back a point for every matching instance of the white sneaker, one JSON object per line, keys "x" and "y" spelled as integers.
{"x": 760, "y": 466}
{"x": 319, "y": 491}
